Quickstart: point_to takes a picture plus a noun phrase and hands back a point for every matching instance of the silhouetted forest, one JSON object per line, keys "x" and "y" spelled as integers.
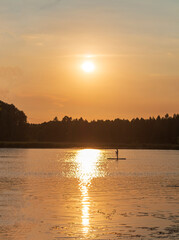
{"x": 13, "y": 123}
{"x": 160, "y": 130}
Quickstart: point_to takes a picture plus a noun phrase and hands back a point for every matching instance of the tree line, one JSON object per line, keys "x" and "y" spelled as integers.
{"x": 159, "y": 130}
{"x": 13, "y": 123}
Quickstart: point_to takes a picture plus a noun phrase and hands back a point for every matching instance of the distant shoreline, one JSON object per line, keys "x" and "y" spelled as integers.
{"x": 57, "y": 145}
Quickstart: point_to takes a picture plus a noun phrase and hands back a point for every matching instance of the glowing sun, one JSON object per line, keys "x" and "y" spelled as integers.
{"x": 88, "y": 66}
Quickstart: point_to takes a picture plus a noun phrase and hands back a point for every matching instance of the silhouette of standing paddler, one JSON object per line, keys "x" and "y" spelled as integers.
{"x": 117, "y": 153}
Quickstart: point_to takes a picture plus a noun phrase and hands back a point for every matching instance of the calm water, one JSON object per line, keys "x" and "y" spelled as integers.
{"x": 78, "y": 194}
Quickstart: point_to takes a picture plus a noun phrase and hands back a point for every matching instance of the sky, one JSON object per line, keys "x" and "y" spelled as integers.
{"x": 134, "y": 45}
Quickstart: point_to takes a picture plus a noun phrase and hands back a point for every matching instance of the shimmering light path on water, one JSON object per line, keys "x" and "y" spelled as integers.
{"x": 48, "y": 194}
{"x": 87, "y": 168}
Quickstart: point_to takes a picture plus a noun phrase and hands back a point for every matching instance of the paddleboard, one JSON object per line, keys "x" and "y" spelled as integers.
{"x": 116, "y": 158}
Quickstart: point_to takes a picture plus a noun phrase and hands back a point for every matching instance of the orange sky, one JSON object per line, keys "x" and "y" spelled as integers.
{"x": 133, "y": 44}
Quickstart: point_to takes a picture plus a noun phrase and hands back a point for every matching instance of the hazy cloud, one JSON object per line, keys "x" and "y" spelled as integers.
{"x": 50, "y": 4}
{"x": 38, "y": 107}
{"x": 134, "y": 43}
{"x": 10, "y": 72}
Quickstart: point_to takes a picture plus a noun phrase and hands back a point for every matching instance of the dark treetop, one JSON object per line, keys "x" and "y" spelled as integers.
{"x": 160, "y": 130}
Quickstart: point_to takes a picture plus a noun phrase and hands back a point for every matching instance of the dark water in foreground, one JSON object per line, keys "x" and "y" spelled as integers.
{"x": 78, "y": 194}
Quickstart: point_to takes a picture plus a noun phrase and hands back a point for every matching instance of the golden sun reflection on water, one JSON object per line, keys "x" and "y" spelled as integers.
{"x": 87, "y": 168}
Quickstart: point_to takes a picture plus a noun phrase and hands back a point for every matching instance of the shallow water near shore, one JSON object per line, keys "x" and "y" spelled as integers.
{"x": 51, "y": 194}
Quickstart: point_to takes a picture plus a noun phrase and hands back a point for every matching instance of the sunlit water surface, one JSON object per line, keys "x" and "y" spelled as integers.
{"x": 48, "y": 194}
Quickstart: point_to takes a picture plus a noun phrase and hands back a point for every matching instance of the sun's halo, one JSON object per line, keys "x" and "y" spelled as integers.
{"x": 88, "y": 66}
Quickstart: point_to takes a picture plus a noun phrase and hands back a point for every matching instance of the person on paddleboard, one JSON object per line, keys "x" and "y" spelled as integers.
{"x": 117, "y": 153}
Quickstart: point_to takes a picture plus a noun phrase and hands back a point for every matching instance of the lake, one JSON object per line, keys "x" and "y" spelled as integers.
{"x": 51, "y": 194}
